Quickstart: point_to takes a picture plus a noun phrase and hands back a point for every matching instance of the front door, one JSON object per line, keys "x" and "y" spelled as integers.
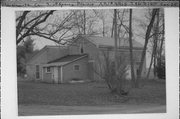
{"x": 56, "y": 74}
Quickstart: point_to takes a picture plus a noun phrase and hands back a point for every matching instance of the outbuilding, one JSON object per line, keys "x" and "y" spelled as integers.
{"x": 66, "y": 69}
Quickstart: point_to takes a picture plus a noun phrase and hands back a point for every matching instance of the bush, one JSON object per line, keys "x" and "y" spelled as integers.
{"x": 113, "y": 80}
{"x": 161, "y": 73}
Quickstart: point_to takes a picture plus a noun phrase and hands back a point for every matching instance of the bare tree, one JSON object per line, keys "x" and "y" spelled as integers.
{"x": 84, "y": 23}
{"x": 122, "y": 26}
{"x": 113, "y": 70}
{"x": 161, "y": 43}
{"x": 131, "y": 49}
{"x": 119, "y": 69}
{"x": 101, "y": 15}
{"x": 115, "y": 49}
{"x": 147, "y": 36}
{"x": 108, "y": 73}
{"x": 35, "y": 23}
{"x": 158, "y": 40}
{"x": 155, "y": 43}
{"x": 26, "y": 28}
{"x": 107, "y": 70}
{"x": 51, "y": 26}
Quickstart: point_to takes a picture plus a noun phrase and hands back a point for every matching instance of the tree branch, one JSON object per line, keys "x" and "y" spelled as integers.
{"x": 31, "y": 27}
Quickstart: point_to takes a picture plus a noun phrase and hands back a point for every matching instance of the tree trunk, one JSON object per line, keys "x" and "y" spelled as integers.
{"x": 155, "y": 44}
{"x": 161, "y": 45}
{"x": 103, "y": 27}
{"x": 160, "y": 50}
{"x": 115, "y": 53}
{"x": 156, "y": 30}
{"x": 131, "y": 49}
{"x": 152, "y": 56}
{"x": 112, "y": 30}
{"x": 148, "y": 32}
{"x": 84, "y": 22}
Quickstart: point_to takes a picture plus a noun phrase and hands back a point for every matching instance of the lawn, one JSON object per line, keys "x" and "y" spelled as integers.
{"x": 88, "y": 94}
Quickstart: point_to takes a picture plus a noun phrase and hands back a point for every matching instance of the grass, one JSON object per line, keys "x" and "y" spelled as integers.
{"x": 92, "y": 93}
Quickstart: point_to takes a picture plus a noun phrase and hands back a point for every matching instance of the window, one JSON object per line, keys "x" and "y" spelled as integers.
{"x": 48, "y": 69}
{"x": 76, "y": 67}
{"x": 37, "y": 68}
{"x": 37, "y": 72}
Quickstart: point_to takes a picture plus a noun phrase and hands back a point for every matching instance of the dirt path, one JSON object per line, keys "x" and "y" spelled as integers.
{"x": 30, "y": 110}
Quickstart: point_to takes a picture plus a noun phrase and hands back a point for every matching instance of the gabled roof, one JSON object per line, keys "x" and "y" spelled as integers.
{"x": 43, "y": 50}
{"x": 66, "y": 60}
{"x": 107, "y": 41}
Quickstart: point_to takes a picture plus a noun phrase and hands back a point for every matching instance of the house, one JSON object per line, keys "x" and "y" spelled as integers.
{"x": 66, "y": 68}
{"x": 35, "y": 64}
{"x": 95, "y": 46}
{"x": 82, "y": 59}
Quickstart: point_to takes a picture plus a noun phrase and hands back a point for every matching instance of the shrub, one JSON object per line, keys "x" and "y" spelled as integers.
{"x": 109, "y": 72}
{"x": 161, "y": 73}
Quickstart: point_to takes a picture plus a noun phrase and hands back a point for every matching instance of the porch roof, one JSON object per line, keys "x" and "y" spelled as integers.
{"x": 65, "y": 60}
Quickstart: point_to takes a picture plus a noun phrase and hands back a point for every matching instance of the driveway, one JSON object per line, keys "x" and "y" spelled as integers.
{"x": 30, "y": 110}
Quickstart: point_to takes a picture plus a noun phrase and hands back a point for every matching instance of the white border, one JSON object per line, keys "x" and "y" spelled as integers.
{"x": 9, "y": 109}
{"x": 172, "y": 61}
